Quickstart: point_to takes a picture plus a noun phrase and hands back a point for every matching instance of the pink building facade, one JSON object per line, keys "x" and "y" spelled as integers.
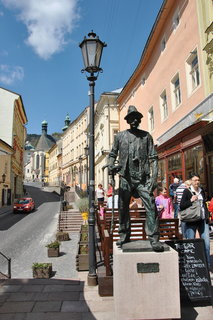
{"x": 168, "y": 88}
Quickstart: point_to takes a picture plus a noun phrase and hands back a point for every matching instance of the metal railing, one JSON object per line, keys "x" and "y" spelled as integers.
{"x": 9, "y": 266}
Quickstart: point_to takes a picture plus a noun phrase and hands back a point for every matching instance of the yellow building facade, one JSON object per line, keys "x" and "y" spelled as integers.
{"x": 74, "y": 159}
{"x": 12, "y": 131}
{"x": 6, "y": 152}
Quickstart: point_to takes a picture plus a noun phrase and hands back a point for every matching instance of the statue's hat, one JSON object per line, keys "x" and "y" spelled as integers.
{"x": 133, "y": 110}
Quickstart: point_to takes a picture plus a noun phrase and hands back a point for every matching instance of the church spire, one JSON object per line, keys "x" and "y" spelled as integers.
{"x": 66, "y": 122}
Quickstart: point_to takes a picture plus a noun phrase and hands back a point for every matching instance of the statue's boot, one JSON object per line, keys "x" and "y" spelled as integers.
{"x": 157, "y": 246}
{"x": 124, "y": 238}
{"x": 119, "y": 243}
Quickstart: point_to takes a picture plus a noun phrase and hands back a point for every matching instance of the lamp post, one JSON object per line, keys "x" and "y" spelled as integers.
{"x": 86, "y": 151}
{"x": 91, "y": 48}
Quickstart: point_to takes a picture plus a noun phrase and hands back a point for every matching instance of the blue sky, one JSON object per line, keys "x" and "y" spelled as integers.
{"x": 40, "y": 58}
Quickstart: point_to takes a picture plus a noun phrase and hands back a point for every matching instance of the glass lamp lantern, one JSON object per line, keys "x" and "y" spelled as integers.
{"x": 91, "y": 49}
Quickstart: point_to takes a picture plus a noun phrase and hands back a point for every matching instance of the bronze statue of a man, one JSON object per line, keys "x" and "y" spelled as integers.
{"x": 138, "y": 162}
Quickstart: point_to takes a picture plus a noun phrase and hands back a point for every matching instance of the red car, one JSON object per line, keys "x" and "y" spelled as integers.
{"x": 24, "y": 205}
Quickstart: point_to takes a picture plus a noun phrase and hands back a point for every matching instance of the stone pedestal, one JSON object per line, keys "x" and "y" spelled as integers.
{"x": 146, "y": 284}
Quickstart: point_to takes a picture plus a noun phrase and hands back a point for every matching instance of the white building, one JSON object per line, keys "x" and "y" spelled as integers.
{"x": 45, "y": 142}
{"x": 106, "y": 127}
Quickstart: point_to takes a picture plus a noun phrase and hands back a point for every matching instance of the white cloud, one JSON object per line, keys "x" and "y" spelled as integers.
{"x": 8, "y": 74}
{"x": 48, "y": 22}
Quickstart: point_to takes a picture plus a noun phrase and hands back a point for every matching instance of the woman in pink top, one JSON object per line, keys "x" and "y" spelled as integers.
{"x": 164, "y": 204}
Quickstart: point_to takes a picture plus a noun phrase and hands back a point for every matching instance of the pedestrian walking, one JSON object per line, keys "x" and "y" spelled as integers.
{"x": 179, "y": 194}
{"x": 191, "y": 194}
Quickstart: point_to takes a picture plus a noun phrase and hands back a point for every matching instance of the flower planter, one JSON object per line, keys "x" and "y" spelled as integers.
{"x": 82, "y": 258}
{"x": 42, "y": 270}
{"x": 53, "y": 252}
{"x": 62, "y": 236}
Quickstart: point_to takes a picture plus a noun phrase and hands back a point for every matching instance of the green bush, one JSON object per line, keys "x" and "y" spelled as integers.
{"x": 62, "y": 236}
{"x": 37, "y": 265}
{"x": 83, "y": 205}
{"x": 53, "y": 244}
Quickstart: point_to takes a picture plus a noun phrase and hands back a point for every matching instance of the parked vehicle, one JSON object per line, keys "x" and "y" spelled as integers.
{"x": 24, "y": 205}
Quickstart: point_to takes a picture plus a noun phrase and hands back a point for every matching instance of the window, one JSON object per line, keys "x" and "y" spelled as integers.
{"x": 37, "y": 161}
{"x": 162, "y": 172}
{"x": 176, "y": 92}
{"x": 133, "y": 92}
{"x": 163, "y": 106}
{"x": 176, "y": 19}
{"x": 194, "y": 162}
{"x": 163, "y": 44}
{"x": 174, "y": 162}
{"x": 192, "y": 71}
{"x": 151, "y": 119}
{"x": 143, "y": 80}
{"x": 114, "y": 133}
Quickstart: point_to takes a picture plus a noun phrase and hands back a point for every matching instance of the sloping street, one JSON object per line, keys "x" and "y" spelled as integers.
{"x": 23, "y": 237}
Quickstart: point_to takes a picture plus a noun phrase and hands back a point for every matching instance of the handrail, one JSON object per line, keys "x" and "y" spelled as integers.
{"x": 9, "y": 265}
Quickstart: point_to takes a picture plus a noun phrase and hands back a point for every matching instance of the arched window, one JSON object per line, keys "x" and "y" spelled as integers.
{"x": 37, "y": 161}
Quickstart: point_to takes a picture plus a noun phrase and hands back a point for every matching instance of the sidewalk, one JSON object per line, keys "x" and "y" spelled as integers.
{"x": 66, "y": 295}
{"x": 60, "y": 299}
{"x": 33, "y": 299}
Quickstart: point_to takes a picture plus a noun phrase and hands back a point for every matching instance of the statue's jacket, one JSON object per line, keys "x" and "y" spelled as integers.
{"x": 144, "y": 151}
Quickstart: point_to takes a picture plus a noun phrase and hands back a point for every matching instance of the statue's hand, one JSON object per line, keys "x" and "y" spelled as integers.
{"x": 114, "y": 169}
{"x": 151, "y": 185}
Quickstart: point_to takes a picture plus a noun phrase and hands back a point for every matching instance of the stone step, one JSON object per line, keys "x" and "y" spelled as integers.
{"x": 70, "y": 229}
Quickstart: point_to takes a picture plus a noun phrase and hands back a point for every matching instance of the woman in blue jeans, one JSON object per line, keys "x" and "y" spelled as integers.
{"x": 191, "y": 194}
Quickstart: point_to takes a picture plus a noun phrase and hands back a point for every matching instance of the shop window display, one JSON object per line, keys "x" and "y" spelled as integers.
{"x": 174, "y": 162}
{"x": 194, "y": 162}
{"x": 162, "y": 172}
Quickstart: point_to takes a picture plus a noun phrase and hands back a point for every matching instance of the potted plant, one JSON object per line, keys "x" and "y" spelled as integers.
{"x": 53, "y": 248}
{"x": 83, "y": 206}
{"x": 82, "y": 257}
{"x": 62, "y": 236}
{"x": 42, "y": 270}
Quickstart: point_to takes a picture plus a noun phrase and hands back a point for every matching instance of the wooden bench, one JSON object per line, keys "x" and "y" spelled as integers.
{"x": 169, "y": 229}
{"x": 104, "y": 223}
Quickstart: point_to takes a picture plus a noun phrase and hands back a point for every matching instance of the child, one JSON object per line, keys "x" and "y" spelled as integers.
{"x": 164, "y": 204}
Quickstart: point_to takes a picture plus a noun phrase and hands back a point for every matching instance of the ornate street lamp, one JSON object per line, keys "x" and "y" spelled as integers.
{"x": 91, "y": 48}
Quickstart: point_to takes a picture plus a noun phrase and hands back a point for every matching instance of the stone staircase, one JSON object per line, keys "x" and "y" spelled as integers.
{"x": 70, "y": 221}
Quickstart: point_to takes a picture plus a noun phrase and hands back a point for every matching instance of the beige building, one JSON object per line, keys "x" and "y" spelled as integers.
{"x": 55, "y": 164}
{"x": 172, "y": 87}
{"x": 74, "y": 160}
{"x": 106, "y": 127}
{"x": 12, "y": 131}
